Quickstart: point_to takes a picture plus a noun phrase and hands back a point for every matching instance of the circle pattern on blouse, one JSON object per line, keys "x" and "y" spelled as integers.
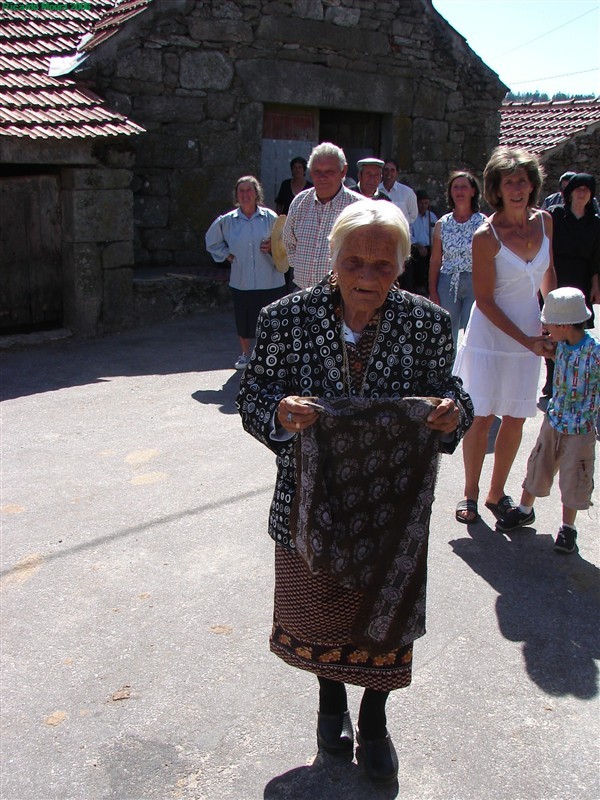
{"x": 298, "y": 352}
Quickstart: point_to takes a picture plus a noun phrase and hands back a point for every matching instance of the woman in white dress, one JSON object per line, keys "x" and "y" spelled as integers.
{"x": 499, "y": 356}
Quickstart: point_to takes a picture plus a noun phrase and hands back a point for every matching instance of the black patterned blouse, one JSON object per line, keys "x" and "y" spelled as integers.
{"x": 299, "y": 351}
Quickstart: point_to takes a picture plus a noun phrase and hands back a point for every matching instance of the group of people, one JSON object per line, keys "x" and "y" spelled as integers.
{"x": 357, "y": 385}
{"x": 243, "y": 235}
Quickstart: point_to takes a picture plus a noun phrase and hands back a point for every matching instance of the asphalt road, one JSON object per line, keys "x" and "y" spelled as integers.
{"x": 136, "y": 602}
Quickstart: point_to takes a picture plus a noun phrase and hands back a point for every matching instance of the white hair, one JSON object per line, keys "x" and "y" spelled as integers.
{"x": 328, "y": 150}
{"x": 365, "y": 213}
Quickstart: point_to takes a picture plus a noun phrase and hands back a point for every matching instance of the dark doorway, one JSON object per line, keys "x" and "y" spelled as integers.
{"x": 290, "y": 131}
{"x": 30, "y": 275}
{"x": 356, "y": 132}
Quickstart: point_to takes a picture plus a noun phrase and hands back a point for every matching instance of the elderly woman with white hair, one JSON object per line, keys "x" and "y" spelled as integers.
{"x": 350, "y": 385}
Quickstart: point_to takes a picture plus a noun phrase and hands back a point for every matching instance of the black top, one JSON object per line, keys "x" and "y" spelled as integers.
{"x": 576, "y": 249}
{"x": 285, "y": 195}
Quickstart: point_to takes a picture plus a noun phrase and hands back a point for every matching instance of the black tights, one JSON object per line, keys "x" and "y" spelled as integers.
{"x": 371, "y": 718}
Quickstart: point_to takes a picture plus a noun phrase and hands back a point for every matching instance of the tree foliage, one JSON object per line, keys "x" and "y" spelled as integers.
{"x": 542, "y": 97}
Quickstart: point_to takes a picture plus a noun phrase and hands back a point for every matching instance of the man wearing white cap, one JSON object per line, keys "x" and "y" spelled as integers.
{"x": 369, "y": 176}
{"x": 566, "y": 442}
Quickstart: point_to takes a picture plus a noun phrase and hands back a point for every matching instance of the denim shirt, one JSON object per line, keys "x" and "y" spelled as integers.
{"x": 241, "y": 236}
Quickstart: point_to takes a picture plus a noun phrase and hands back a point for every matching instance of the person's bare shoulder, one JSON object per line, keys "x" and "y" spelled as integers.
{"x": 484, "y": 231}
{"x": 484, "y": 239}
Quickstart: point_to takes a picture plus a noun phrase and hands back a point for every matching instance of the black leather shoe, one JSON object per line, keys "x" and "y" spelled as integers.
{"x": 335, "y": 735}
{"x": 378, "y": 757}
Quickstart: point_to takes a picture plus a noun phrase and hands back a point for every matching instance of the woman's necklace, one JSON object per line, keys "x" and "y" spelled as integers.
{"x": 364, "y": 361}
{"x": 525, "y": 236}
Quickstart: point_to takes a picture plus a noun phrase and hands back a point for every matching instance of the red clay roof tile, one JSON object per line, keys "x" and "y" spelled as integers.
{"x": 35, "y": 105}
{"x": 540, "y": 127}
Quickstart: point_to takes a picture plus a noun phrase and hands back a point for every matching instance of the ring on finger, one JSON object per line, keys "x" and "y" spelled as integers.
{"x": 290, "y": 417}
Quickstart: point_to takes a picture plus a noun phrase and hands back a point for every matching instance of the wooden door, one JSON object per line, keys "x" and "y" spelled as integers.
{"x": 358, "y": 134}
{"x": 30, "y": 265}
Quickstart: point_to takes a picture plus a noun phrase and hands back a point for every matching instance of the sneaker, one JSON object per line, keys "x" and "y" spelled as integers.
{"x": 242, "y": 361}
{"x": 566, "y": 539}
{"x": 515, "y": 519}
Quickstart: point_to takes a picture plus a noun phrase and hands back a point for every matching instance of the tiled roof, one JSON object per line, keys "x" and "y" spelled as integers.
{"x": 32, "y": 103}
{"x": 113, "y": 18}
{"x": 540, "y": 127}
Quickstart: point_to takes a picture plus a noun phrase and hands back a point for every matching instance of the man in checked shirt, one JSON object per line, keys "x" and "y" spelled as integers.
{"x": 313, "y": 212}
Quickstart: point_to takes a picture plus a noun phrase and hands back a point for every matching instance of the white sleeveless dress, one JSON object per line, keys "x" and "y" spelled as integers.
{"x": 500, "y": 375}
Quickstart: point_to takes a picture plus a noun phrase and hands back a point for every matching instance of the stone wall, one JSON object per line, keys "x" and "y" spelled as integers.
{"x": 97, "y": 210}
{"x": 579, "y": 154}
{"x": 196, "y": 75}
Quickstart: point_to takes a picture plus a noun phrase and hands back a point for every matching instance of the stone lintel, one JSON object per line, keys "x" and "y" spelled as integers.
{"x": 312, "y": 85}
{"x": 23, "y": 150}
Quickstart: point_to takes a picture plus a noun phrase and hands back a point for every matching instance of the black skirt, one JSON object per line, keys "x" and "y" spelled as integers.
{"x": 247, "y": 305}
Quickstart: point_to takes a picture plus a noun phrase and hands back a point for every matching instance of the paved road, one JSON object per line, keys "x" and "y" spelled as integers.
{"x": 136, "y": 601}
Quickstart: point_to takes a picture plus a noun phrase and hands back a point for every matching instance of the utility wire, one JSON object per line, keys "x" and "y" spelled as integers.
{"x": 551, "y": 77}
{"x": 541, "y": 36}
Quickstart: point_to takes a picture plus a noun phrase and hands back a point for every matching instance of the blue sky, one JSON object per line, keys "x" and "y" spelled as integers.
{"x": 548, "y": 45}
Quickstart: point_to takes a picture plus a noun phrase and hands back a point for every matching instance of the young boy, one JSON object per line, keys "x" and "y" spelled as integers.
{"x": 566, "y": 442}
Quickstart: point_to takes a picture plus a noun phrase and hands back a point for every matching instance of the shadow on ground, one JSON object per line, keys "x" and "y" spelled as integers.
{"x": 327, "y": 778}
{"x": 201, "y": 343}
{"x": 548, "y": 601}
{"x": 224, "y": 398}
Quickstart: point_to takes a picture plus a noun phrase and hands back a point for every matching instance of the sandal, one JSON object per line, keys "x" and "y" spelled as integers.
{"x": 470, "y": 506}
{"x": 502, "y": 507}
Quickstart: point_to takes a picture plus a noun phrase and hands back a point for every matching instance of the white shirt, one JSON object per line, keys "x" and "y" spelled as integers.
{"x": 403, "y": 197}
{"x": 421, "y": 230}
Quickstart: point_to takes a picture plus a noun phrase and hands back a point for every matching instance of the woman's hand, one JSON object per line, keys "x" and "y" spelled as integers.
{"x": 294, "y": 414}
{"x": 444, "y": 417}
{"x": 540, "y": 345}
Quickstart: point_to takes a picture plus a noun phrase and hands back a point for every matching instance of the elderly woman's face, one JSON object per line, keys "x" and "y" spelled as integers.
{"x": 366, "y": 267}
{"x": 246, "y": 194}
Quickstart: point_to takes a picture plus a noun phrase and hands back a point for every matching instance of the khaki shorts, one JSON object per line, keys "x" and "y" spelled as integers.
{"x": 573, "y": 455}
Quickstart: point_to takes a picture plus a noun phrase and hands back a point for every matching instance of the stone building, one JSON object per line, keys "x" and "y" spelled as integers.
{"x": 565, "y": 135}
{"x": 231, "y": 87}
{"x": 226, "y": 87}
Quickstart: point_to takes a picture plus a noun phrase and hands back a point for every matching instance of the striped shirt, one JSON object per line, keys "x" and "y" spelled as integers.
{"x": 308, "y": 224}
